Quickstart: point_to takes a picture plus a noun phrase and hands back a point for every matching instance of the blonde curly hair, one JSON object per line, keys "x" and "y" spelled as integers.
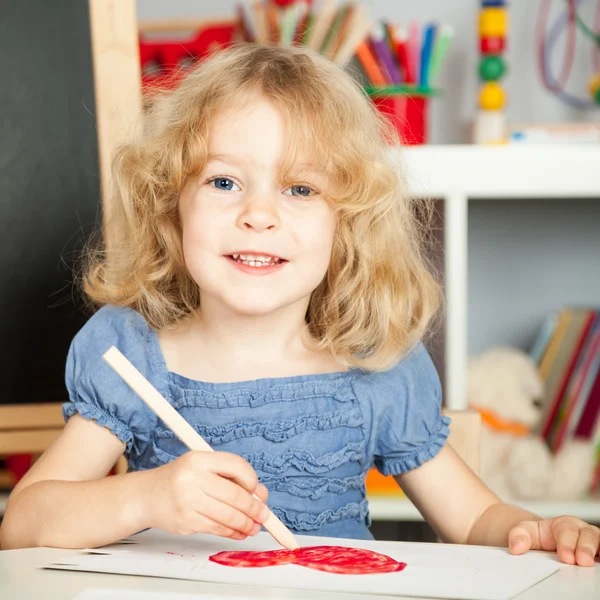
{"x": 379, "y": 294}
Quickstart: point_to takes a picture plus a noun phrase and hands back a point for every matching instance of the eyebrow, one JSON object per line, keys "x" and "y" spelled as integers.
{"x": 231, "y": 158}
{"x": 238, "y": 160}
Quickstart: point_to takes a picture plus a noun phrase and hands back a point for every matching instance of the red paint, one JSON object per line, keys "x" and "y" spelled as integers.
{"x": 337, "y": 559}
{"x": 253, "y": 558}
{"x": 333, "y": 559}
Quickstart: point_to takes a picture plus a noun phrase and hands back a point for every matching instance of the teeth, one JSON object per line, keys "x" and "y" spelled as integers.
{"x": 252, "y": 258}
{"x": 256, "y": 261}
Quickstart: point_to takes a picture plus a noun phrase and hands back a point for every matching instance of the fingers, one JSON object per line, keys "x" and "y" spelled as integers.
{"x": 229, "y": 517}
{"x": 575, "y": 542}
{"x": 208, "y": 525}
{"x": 524, "y": 537}
{"x": 588, "y": 545}
{"x": 235, "y": 468}
{"x": 566, "y": 534}
{"x": 233, "y": 495}
{"x": 262, "y": 492}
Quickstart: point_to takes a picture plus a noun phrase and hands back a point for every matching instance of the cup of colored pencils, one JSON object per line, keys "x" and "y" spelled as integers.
{"x": 332, "y": 29}
{"x": 399, "y": 65}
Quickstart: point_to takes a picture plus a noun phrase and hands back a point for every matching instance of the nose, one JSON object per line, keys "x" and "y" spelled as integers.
{"x": 258, "y": 215}
{"x": 538, "y": 403}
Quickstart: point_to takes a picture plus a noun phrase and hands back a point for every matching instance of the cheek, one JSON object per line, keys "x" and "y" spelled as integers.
{"x": 315, "y": 248}
{"x": 317, "y": 237}
{"x": 193, "y": 243}
{"x": 199, "y": 243}
{"x": 200, "y": 228}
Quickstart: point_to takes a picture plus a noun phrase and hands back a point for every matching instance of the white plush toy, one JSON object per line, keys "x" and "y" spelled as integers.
{"x": 505, "y": 386}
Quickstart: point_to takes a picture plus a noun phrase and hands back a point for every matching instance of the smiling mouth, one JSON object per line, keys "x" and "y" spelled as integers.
{"x": 256, "y": 260}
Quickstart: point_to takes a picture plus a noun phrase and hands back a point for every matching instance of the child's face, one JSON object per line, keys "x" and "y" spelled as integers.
{"x": 238, "y": 206}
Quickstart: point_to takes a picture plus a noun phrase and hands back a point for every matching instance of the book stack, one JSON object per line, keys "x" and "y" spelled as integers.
{"x": 567, "y": 352}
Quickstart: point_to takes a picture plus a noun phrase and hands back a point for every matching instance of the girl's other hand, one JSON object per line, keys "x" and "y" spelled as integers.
{"x": 205, "y": 492}
{"x": 575, "y": 541}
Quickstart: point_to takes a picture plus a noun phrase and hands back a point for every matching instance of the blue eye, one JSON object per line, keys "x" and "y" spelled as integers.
{"x": 224, "y": 184}
{"x": 301, "y": 191}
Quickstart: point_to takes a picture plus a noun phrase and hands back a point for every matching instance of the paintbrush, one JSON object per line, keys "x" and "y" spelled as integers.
{"x": 182, "y": 429}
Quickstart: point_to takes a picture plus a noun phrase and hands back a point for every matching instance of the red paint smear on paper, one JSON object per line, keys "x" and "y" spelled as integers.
{"x": 333, "y": 559}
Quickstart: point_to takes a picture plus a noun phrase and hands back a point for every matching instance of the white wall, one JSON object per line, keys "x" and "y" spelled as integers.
{"x": 528, "y": 258}
{"x": 451, "y": 115}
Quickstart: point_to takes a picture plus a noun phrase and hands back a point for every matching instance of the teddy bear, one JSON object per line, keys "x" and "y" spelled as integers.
{"x": 505, "y": 386}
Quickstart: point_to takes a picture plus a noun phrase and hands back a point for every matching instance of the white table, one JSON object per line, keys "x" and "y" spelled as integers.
{"x": 22, "y": 579}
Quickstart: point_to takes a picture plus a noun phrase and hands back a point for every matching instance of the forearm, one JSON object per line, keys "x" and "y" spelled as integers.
{"x": 494, "y": 524}
{"x": 76, "y": 514}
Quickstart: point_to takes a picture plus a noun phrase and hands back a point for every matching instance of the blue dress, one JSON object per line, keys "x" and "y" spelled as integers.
{"x": 311, "y": 438}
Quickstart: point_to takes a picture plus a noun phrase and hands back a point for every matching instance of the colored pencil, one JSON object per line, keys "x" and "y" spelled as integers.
{"x": 400, "y": 38}
{"x": 336, "y": 25}
{"x": 358, "y": 31}
{"x": 426, "y": 49}
{"x": 289, "y": 22}
{"x": 413, "y": 48}
{"x": 384, "y": 54}
{"x": 388, "y": 29}
{"x": 260, "y": 21}
{"x": 369, "y": 65}
{"x": 245, "y": 20}
{"x": 303, "y": 24}
{"x": 321, "y": 24}
{"x": 342, "y": 32}
{"x": 440, "y": 50}
{"x": 272, "y": 22}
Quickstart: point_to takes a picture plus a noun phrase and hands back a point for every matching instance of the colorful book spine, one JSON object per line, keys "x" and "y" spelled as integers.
{"x": 567, "y": 352}
{"x": 564, "y": 366}
{"x": 564, "y": 422}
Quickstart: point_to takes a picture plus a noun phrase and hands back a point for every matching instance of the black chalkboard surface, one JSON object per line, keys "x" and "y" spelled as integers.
{"x": 49, "y": 189}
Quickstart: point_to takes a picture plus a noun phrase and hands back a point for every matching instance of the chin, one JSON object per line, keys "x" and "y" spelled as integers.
{"x": 254, "y": 307}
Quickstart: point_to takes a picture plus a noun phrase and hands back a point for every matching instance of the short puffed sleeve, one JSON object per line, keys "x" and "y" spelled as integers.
{"x": 407, "y": 425}
{"x": 95, "y": 390}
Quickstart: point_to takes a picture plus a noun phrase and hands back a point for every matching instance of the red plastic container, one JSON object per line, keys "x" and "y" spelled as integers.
{"x": 408, "y": 114}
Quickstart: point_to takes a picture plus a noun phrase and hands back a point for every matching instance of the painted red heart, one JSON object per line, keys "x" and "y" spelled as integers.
{"x": 253, "y": 558}
{"x": 340, "y": 559}
{"x": 333, "y": 559}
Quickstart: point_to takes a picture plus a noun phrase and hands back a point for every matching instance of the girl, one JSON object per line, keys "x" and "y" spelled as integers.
{"x": 266, "y": 273}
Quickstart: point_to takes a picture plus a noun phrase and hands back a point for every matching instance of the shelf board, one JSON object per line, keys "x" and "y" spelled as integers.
{"x": 401, "y": 509}
{"x": 507, "y": 171}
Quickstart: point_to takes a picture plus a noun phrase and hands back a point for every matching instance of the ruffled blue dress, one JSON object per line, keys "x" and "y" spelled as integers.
{"x": 311, "y": 438}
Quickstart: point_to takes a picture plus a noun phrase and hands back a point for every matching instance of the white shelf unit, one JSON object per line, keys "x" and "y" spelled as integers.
{"x": 458, "y": 174}
{"x": 390, "y": 509}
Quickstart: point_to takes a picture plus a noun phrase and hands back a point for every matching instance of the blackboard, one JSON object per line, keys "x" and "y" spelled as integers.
{"x": 49, "y": 189}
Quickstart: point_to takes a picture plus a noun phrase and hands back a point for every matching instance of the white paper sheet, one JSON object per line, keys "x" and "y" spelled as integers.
{"x": 433, "y": 570}
{"x": 114, "y": 594}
